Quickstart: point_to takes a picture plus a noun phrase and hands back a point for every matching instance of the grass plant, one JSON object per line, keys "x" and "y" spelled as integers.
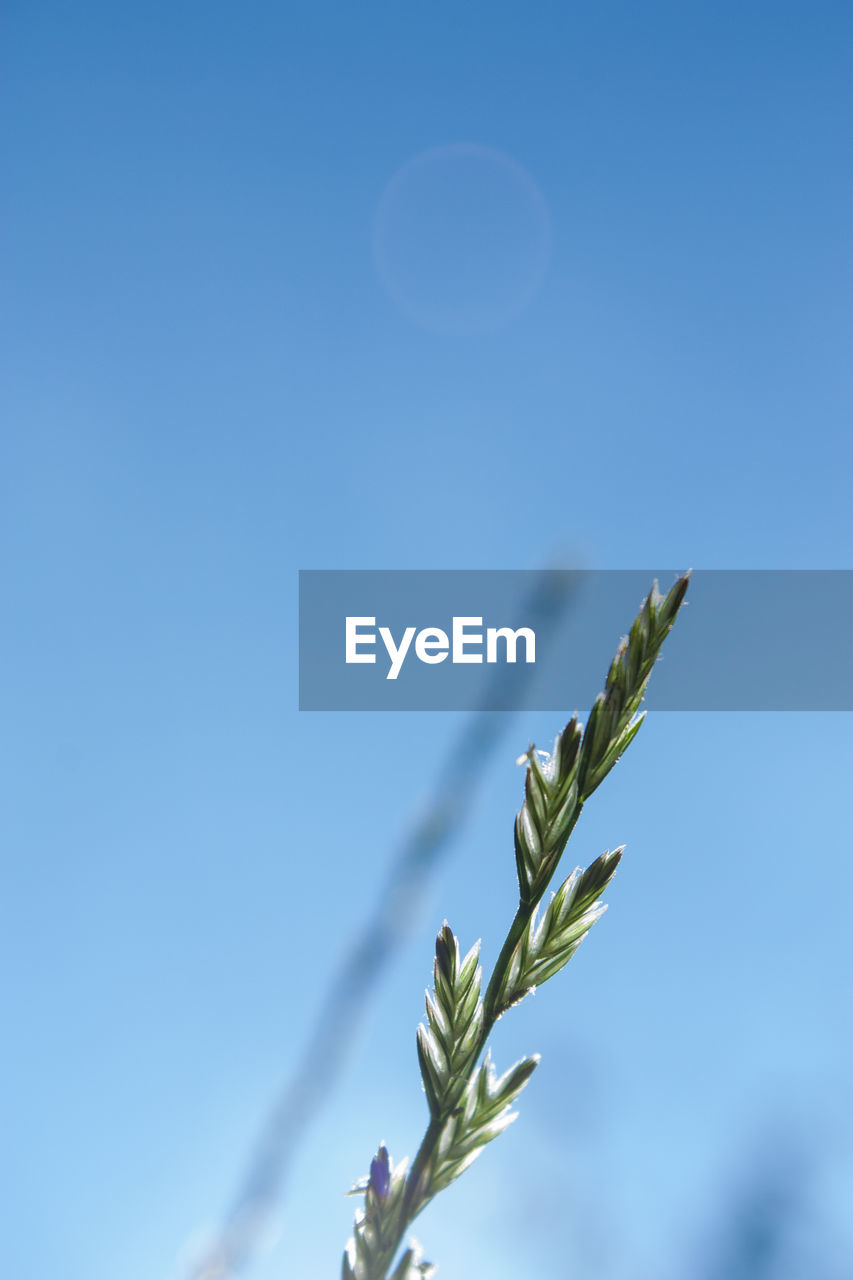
{"x": 469, "y": 1103}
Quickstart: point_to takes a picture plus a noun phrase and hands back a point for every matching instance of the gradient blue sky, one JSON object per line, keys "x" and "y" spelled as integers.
{"x": 207, "y": 388}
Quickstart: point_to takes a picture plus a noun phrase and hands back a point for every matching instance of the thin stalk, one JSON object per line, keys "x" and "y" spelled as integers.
{"x": 411, "y": 1207}
{"x": 492, "y": 1012}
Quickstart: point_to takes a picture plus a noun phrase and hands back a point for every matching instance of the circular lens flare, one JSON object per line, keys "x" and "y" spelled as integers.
{"x": 461, "y": 238}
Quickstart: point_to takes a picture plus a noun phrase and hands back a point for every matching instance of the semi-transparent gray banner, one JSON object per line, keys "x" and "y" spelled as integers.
{"x": 459, "y": 640}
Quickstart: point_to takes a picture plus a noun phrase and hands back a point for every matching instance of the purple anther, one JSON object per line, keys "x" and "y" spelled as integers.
{"x": 380, "y": 1174}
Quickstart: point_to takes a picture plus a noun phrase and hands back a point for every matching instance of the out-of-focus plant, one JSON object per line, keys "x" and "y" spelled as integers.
{"x": 469, "y": 1104}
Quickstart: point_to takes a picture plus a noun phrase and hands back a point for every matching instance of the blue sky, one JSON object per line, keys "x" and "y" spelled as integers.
{"x": 208, "y": 387}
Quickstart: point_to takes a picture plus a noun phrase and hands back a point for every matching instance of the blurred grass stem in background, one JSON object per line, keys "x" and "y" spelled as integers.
{"x": 368, "y": 957}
